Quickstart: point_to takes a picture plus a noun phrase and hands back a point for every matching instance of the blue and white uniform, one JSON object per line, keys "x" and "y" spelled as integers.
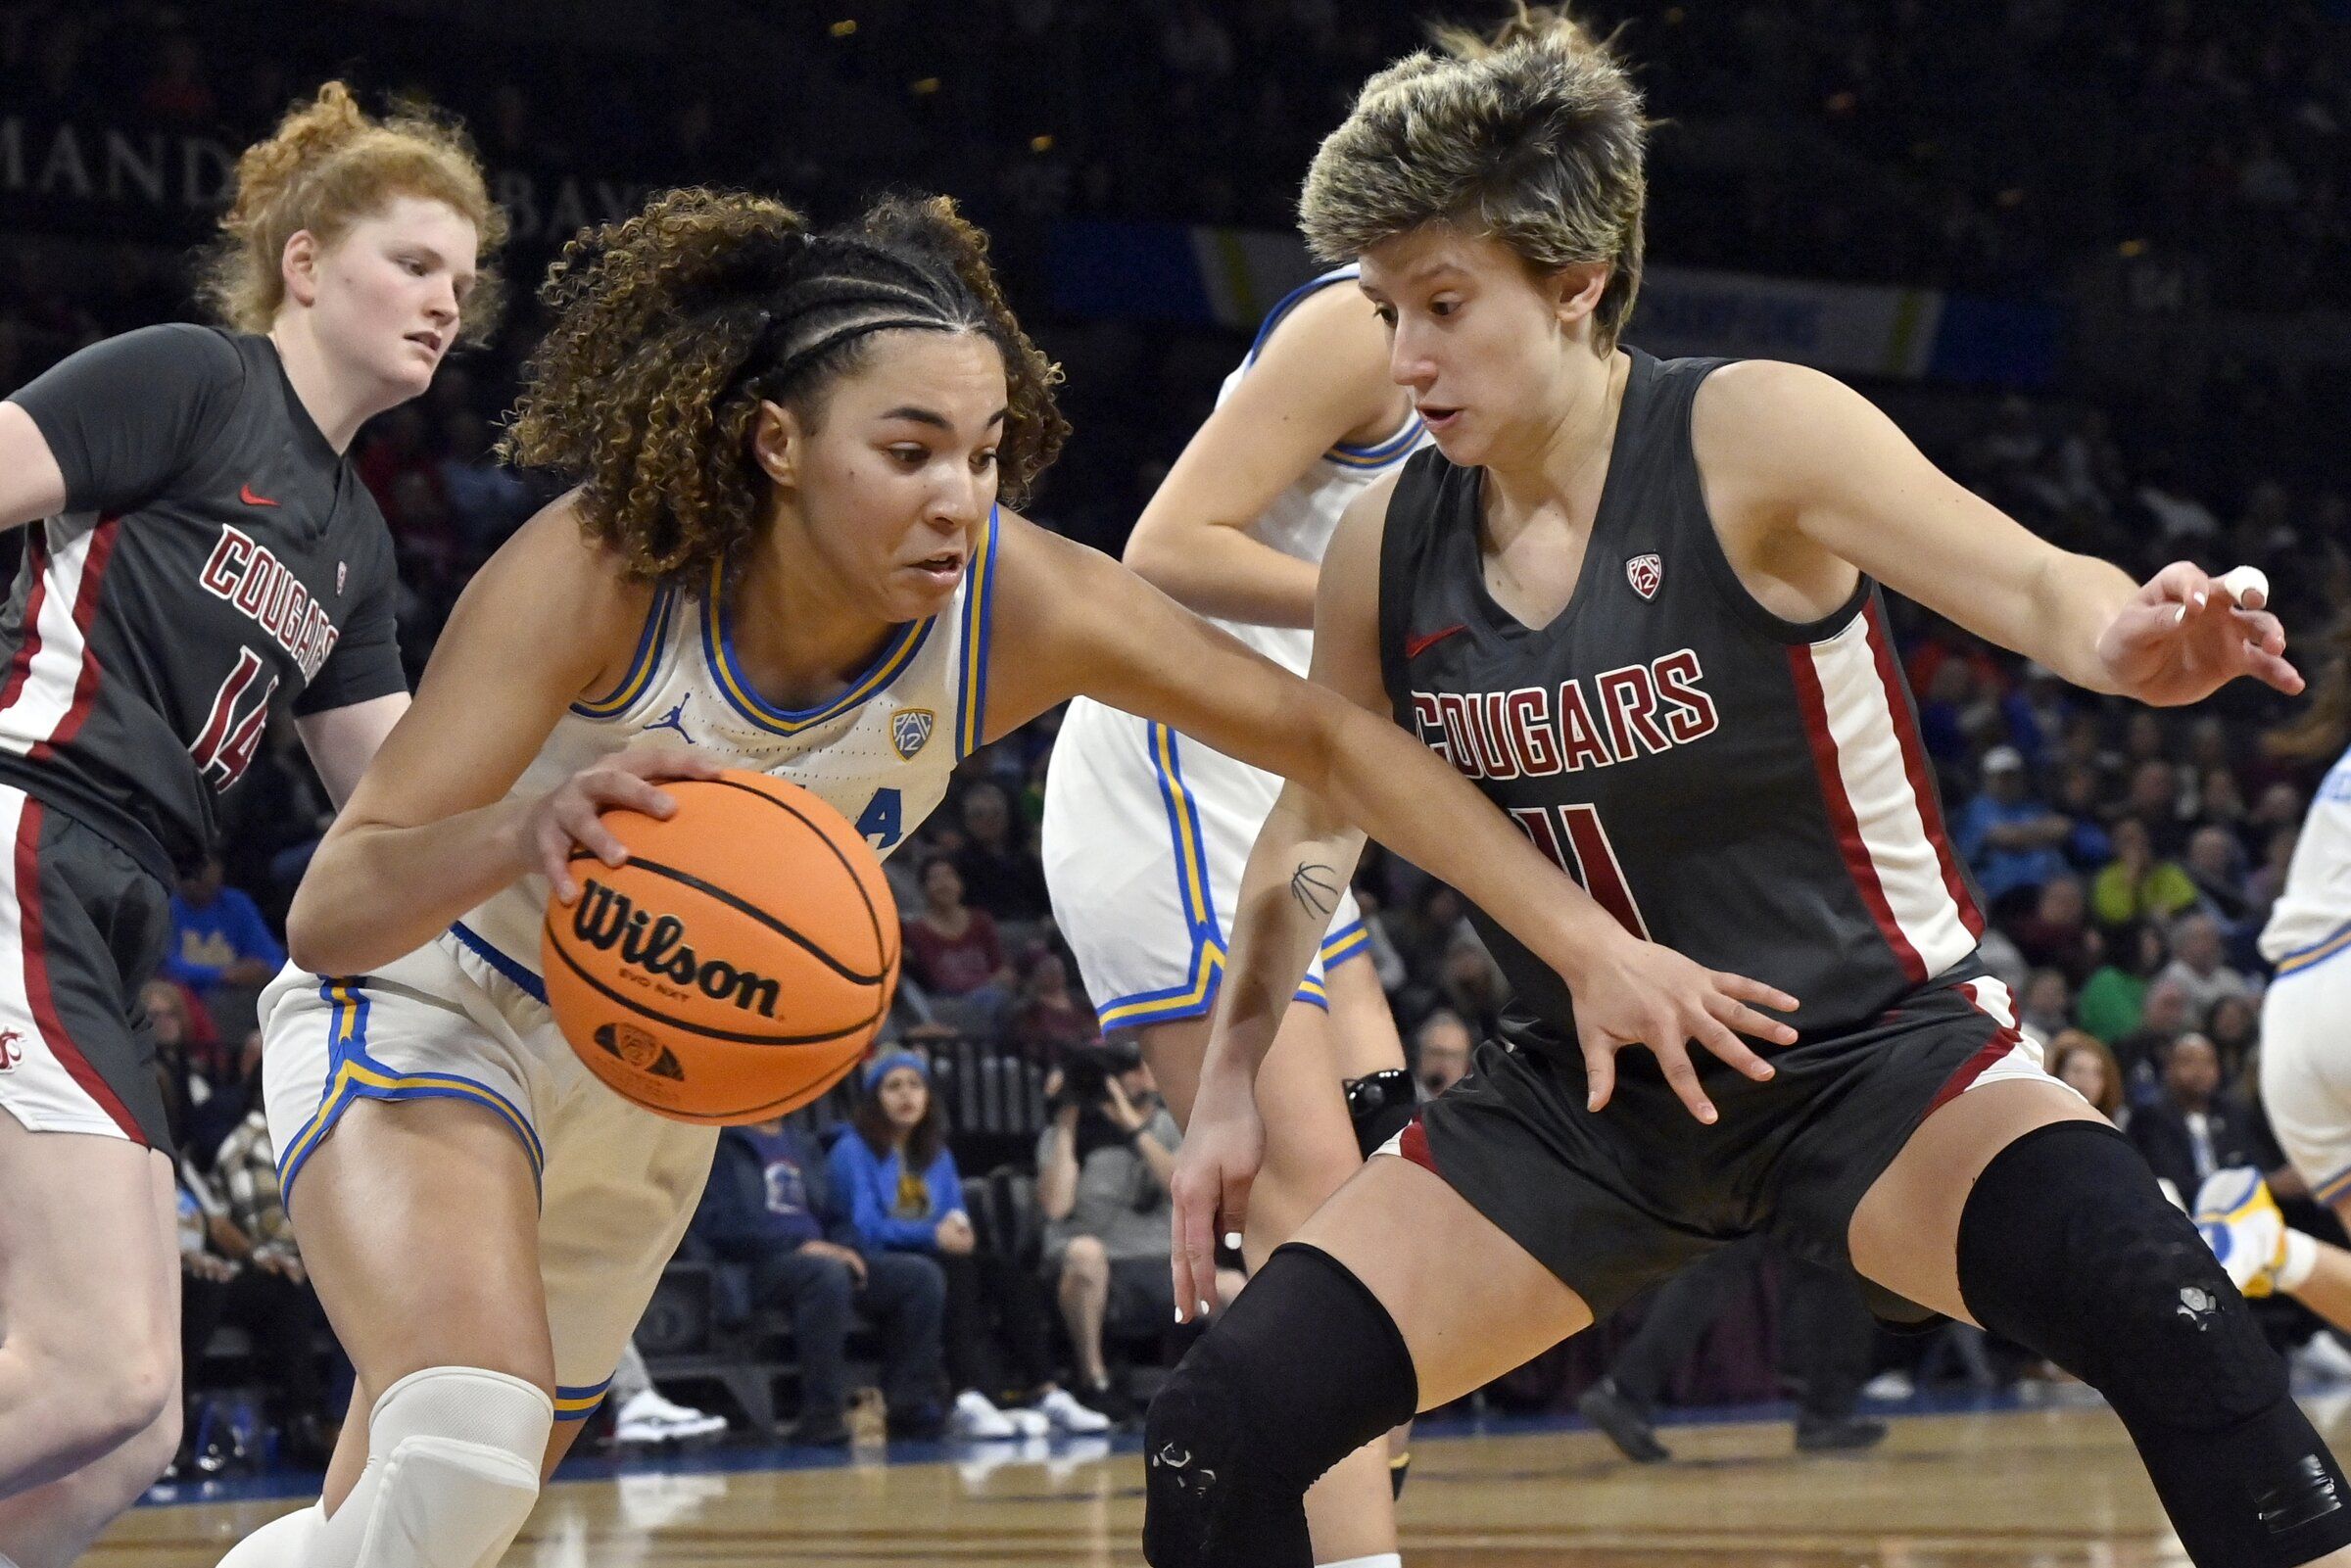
{"x": 465, "y": 1016}
{"x": 1146, "y": 830}
{"x": 2306, "y": 1018}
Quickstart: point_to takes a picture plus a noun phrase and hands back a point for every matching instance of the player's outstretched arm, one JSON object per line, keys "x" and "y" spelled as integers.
{"x": 1797, "y": 458}
{"x": 1320, "y": 376}
{"x": 429, "y": 832}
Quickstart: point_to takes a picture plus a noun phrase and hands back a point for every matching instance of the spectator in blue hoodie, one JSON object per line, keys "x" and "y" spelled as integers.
{"x": 219, "y": 938}
{"x": 896, "y": 1184}
{"x": 2011, "y": 837}
{"x": 763, "y": 1208}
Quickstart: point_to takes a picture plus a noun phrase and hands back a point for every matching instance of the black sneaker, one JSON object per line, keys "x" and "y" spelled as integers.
{"x": 819, "y": 1430}
{"x": 1604, "y": 1406}
{"x": 1837, "y": 1435}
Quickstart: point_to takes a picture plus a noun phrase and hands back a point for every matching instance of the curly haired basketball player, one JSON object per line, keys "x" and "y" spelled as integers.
{"x": 788, "y": 448}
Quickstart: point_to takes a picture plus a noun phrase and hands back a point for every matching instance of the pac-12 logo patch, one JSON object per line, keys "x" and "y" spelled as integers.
{"x": 1646, "y": 573}
{"x": 910, "y": 729}
{"x": 12, "y": 1050}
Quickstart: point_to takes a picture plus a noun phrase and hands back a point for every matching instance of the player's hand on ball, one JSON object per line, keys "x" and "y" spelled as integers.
{"x": 2187, "y": 634}
{"x": 1634, "y": 992}
{"x": 568, "y": 814}
{"x": 1223, "y": 1149}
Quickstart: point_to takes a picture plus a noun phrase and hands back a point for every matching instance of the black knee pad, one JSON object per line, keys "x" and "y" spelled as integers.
{"x": 1379, "y": 1104}
{"x": 2068, "y": 1247}
{"x": 1304, "y": 1368}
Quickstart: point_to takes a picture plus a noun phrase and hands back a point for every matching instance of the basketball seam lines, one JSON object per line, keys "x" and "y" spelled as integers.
{"x": 664, "y": 868}
{"x": 873, "y": 917}
{"x": 633, "y": 1006}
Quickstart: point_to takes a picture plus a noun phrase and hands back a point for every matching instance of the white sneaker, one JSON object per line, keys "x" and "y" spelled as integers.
{"x": 1063, "y": 1409}
{"x": 1889, "y": 1387}
{"x": 1030, "y": 1423}
{"x": 976, "y": 1418}
{"x": 2240, "y": 1220}
{"x": 647, "y": 1418}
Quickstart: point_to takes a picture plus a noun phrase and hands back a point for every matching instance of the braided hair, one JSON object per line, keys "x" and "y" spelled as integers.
{"x": 673, "y": 326}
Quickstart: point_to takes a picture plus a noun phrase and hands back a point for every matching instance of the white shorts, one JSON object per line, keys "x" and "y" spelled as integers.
{"x": 2306, "y": 1067}
{"x": 616, "y": 1184}
{"x": 1146, "y": 834}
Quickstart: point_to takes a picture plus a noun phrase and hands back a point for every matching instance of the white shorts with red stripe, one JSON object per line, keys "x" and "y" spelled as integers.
{"x": 82, "y": 930}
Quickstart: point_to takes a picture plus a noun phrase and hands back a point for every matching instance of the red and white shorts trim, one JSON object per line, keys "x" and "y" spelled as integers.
{"x": 48, "y": 1081}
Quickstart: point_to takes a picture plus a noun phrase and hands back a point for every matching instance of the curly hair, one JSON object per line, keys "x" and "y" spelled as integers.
{"x": 671, "y": 327}
{"x": 327, "y": 167}
{"x": 1533, "y": 135}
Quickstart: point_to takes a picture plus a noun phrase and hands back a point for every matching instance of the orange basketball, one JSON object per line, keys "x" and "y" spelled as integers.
{"x": 737, "y": 964}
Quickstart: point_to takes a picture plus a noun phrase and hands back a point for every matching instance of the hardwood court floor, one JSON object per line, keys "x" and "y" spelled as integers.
{"x": 2020, "y": 1489}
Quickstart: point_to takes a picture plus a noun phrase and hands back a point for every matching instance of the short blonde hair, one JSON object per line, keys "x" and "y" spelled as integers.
{"x": 1534, "y": 135}
{"x": 327, "y": 167}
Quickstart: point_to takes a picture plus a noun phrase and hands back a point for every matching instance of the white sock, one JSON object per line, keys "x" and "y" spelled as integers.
{"x": 1378, "y": 1559}
{"x": 2297, "y": 1259}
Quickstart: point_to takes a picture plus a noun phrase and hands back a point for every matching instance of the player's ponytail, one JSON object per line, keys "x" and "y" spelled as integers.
{"x": 1534, "y": 135}
{"x": 326, "y": 166}
{"x": 672, "y": 327}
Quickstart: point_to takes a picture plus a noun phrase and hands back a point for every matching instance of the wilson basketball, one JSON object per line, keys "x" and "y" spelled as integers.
{"x": 737, "y": 966}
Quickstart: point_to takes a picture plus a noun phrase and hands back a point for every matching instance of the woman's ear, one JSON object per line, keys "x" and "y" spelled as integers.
{"x": 297, "y": 266}
{"x": 776, "y": 440}
{"x": 1578, "y": 289}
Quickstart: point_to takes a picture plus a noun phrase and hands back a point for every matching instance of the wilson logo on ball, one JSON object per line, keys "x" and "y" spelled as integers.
{"x": 610, "y": 920}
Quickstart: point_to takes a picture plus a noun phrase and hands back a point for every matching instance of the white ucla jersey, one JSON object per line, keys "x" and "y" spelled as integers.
{"x": 881, "y": 753}
{"x": 2310, "y": 921}
{"x": 1302, "y": 517}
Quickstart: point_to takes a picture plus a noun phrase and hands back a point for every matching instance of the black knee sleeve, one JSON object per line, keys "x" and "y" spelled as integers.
{"x": 2067, "y": 1247}
{"x": 1379, "y": 1104}
{"x": 1305, "y": 1368}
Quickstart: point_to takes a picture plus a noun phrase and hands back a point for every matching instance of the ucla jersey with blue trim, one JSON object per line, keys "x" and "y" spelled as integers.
{"x": 2310, "y": 921}
{"x": 881, "y": 753}
{"x": 1302, "y": 518}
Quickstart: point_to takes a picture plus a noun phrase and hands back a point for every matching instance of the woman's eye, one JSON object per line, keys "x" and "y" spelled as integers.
{"x": 911, "y": 457}
{"x": 1444, "y": 306}
{"x": 984, "y": 462}
{"x": 1386, "y": 313}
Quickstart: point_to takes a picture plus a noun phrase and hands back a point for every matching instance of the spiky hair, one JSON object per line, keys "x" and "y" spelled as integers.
{"x": 1537, "y": 139}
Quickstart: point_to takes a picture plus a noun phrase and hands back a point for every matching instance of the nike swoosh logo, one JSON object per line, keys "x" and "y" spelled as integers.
{"x": 247, "y": 496}
{"x": 1415, "y": 646}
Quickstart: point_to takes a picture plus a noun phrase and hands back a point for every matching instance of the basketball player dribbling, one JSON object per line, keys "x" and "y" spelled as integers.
{"x": 204, "y": 547}
{"x": 789, "y": 447}
{"x": 1146, "y": 830}
{"x": 1636, "y": 601}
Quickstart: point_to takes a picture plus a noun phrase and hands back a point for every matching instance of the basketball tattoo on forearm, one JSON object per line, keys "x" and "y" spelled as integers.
{"x": 1316, "y": 887}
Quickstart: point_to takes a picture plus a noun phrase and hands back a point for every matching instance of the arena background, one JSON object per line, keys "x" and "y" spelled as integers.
{"x": 2094, "y": 255}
